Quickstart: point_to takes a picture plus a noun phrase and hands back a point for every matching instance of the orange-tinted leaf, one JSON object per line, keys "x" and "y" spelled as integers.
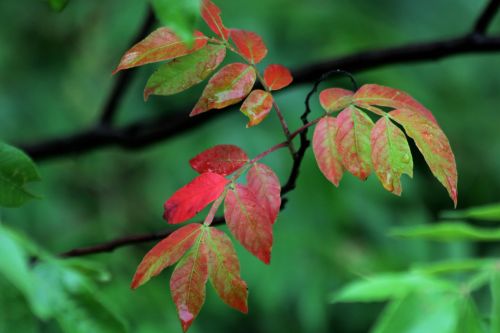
{"x": 188, "y": 281}
{"x": 221, "y": 159}
{"x": 353, "y": 141}
{"x": 162, "y": 44}
{"x": 375, "y": 95}
{"x": 224, "y": 271}
{"x": 391, "y": 155}
{"x": 250, "y": 45}
{"x": 335, "y": 99}
{"x": 265, "y": 185}
{"x": 211, "y": 15}
{"x": 277, "y": 77}
{"x": 228, "y": 86}
{"x": 248, "y": 222}
{"x": 257, "y": 106}
{"x": 166, "y": 253}
{"x": 325, "y": 150}
{"x": 434, "y": 146}
{"x": 190, "y": 199}
{"x": 181, "y": 74}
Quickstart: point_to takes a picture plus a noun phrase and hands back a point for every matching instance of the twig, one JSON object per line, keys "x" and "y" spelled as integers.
{"x": 486, "y": 17}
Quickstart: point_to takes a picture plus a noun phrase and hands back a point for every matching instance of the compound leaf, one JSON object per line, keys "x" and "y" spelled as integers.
{"x": 221, "y": 159}
{"x": 265, "y": 185}
{"x": 325, "y": 150}
{"x": 250, "y": 45}
{"x": 277, "y": 77}
{"x": 335, "y": 99}
{"x": 211, "y": 15}
{"x": 257, "y": 106}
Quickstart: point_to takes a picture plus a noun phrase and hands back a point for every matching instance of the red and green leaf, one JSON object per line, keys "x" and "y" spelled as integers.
{"x": 277, "y": 77}
{"x": 211, "y": 15}
{"x": 434, "y": 146}
{"x": 192, "y": 198}
{"x": 353, "y": 141}
{"x": 371, "y": 95}
{"x": 166, "y": 253}
{"x": 257, "y": 106}
{"x": 335, "y": 99}
{"x": 224, "y": 271}
{"x": 227, "y": 87}
{"x": 325, "y": 150}
{"x": 183, "y": 73}
{"x": 265, "y": 185}
{"x": 391, "y": 155}
{"x": 188, "y": 281}
{"x": 162, "y": 44}
{"x": 221, "y": 159}
{"x": 248, "y": 222}
{"x": 250, "y": 45}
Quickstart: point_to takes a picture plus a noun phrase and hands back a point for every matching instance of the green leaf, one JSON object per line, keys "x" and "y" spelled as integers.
{"x": 16, "y": 170}
{"x": 469, "y": 319}
{"x": 180, "y": 16}
{"x": 15, "y": 314}
{"x": 183, "y": 73}
{"x": 58, "y": 5}
{"x": 382, "y": 287}
{"x": 453, "y": 266}
{"x": 495, "y": 307}
{"x": 14, "y": 263}
{"x": 485, "y": 213}
{"x": 424, "y": 312}
{"x": 449, "y": 231}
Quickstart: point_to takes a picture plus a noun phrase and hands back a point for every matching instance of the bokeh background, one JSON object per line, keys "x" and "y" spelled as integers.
{"x": 55, "y": 74}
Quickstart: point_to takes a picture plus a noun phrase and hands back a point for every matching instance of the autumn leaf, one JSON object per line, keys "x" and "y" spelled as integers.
{"x": 248, "y": 222}
{"x": 221, "y": 159}
{"x": 434, "y": 146}
{"x": 190, "y": 199}
{"x": 257, "y": 106}
{"x": 277, "y": 77}
{"x": 335, "y": 99}
{"x": 374, "y": 95}
{"x": 183, "y": 73}
{"x": 353, "y": 141}
{"x": 224, "y": 271}
{"x": 265, "y": 185}
{"x": 227, "y": 87}
{"x": 391, "y": 155}
{"x": 250, "y": 45}
{"x": 162, "y": 44}
{"x": 325, "y": 150}
{"x": 211, "y": 15}
{"x": 166, "y": 253}
{"x": 188, "y": 281}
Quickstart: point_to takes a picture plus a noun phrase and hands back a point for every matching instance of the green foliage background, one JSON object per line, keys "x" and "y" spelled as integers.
{"x": 55, "y": 73}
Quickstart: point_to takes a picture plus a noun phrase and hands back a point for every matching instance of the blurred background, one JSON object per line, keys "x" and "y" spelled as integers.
{"x": 55, "y": 74}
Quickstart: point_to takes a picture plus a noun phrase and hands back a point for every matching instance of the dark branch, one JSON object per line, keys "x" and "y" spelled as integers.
{"x": 151, "y": 131}
{"x": 486, "y": 17}
{"x": 124, "y": 78}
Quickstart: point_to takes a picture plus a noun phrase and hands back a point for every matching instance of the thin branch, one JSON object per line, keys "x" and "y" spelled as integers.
{"x": 485, "y": 19}
{"x": 155, "y": 130}
{"x": 124, "y": 78}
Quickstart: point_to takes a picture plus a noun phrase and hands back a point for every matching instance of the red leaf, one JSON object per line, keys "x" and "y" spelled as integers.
{"x": 325, "y": 150}
{"x": 335, "y": 99}
{"x": 249, "y": 44}
{"x": 353, "y": 141}
{"x": 221, "y": 159}
{"x": 188, "y": 281}
{"x": 375, "y": 95}
{"x": 248, "y": 222}
{"x": 190, "y": 199}
{"x": 165, "y": 253}
{"x": 211, "y": 15}
{"x": 265, "y": 185}
{"x": 228, "y": 86}
{"x": 257, "y": 106}
{"x": 162, "y": 44}
{"x": 224, "y": 271}
{"x": 277, "y": 77}
{"x": 433, "y": 144}
{"x": 391, "y": 155}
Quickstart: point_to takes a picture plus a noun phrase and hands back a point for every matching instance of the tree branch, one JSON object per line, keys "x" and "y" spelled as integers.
{"x": 147, "y": 132}
{"x": 486, "y": 17}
